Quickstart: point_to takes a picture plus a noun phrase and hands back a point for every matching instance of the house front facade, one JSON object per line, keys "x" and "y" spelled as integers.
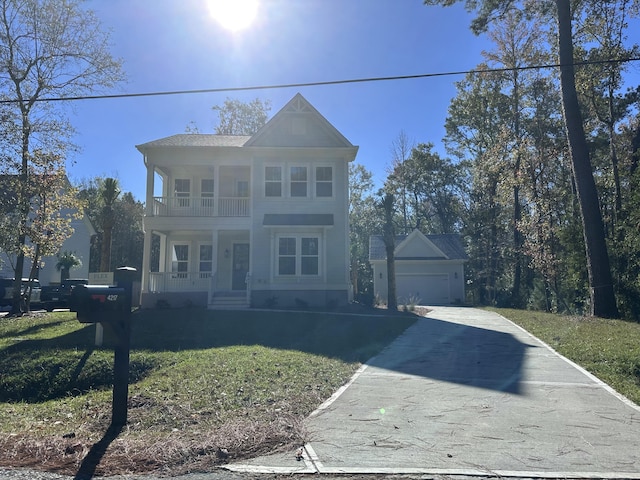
{"x": 238, "y": 221}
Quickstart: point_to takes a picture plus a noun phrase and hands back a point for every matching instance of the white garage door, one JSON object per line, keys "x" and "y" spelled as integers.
{"x": 429, "y": 289}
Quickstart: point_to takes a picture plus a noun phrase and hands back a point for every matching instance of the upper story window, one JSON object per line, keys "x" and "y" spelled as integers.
{"x": 273, "y": 181}
{"x": 298, "y": 181}
{"x": 242, "y": 189}
{"x": 182, "y": 191}
{"x": 324, "y": 182}
{"x": 206, "y": 191}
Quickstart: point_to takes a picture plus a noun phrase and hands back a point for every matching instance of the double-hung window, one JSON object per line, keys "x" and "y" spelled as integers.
{"x": 287, "y": 256}
{"x": 309, "y": 256}
{"x": 182, "y": 189}
{"x": 206, "y": 192}
{"x": 273, "y": 181}
{"x": 298, "y": 181}
{"x": 324, "y": 182}
{"x": 206, "y": 260}
{"x": 298, "y": 255}
{"x": 180, "y": 260}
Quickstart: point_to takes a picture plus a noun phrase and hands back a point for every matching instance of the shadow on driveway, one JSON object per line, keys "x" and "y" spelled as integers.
{"x": 458, "y": 353}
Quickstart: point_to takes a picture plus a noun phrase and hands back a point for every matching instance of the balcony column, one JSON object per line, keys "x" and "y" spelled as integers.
{"x": 150, "y": 186}
{"x": 216, "y": 193}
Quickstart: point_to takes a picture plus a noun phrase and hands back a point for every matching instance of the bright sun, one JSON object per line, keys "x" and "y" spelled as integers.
{"x": 233, "y": 15}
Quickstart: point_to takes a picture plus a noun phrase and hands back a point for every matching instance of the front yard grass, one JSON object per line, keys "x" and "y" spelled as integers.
{"x": 609, "y": 349}
{"x": 205, "y": 386}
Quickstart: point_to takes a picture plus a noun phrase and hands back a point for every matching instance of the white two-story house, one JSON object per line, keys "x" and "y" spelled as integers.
{"x": 258, "y": 221}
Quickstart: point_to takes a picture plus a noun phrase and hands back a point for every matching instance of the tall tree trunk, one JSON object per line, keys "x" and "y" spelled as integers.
{"x": 105, "y": 253}
{"x": 517, "y": 210}
{"x": 603, "y": 302}
{"x": 392, "y": 296}
{"x": 18, "y": 307}
{"x": 387, "y": 204}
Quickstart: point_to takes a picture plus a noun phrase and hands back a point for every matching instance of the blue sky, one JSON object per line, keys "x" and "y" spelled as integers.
{"x": 169, "y": 45}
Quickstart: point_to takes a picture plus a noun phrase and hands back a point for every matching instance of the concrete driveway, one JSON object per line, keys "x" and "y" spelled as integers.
{"x": 467, "y": 392}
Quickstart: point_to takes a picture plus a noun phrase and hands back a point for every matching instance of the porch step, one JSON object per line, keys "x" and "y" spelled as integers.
{"x": 229, "y": 301}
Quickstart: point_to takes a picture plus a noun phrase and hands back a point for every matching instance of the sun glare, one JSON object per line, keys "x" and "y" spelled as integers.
{"x": 233, "y": 15}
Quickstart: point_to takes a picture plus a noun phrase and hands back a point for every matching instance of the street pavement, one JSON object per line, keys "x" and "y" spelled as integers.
{"x": 467, "y": 392}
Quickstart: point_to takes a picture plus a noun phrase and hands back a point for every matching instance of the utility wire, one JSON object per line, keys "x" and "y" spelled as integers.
{"x": 323, "y": 83}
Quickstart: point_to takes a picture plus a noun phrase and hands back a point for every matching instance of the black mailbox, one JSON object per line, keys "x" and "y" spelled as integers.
{"x": 99, "y": 303}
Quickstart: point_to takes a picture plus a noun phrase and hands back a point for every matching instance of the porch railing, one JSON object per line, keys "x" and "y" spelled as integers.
{"x": 201, "y": 206}
{"x": 179, "y": 281}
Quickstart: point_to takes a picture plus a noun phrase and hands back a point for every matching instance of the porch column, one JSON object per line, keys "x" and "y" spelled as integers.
{"x": 146, "y": 261}
{"x": 215, "y": 241}
{"x": 163, "y": 253}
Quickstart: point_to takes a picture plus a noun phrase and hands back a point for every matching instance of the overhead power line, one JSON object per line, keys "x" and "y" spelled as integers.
{"x": 323, "y": 83}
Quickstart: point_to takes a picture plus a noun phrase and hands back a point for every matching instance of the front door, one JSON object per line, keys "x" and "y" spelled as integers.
{"x": 240, "y": 266}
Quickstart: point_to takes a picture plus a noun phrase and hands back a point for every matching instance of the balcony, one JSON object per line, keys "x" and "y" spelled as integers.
{"x": 201, "y": 206}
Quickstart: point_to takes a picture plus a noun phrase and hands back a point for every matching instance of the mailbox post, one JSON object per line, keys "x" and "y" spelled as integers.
{"x": 124, "y": 277}
{"x": 111, "y": 306}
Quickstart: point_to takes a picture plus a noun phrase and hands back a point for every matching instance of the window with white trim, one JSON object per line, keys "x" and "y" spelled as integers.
{"x": 298, "y": 181}
{"x": 206, "y": 191}
{"x": 286, "y": 256}
{"x": 273, "y": 181}
{"x": 205, "y": 264}
{"x": 309, "y": 256}
{"x": 182, "y": 191}
{"x": 298, "y": 255}
{"x": 324, "y": 181}
{"x": 180, "y": 260}
{"x": 242, "y": 189}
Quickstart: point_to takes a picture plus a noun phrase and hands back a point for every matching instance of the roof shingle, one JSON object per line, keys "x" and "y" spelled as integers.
{"x": 197, "y": 140}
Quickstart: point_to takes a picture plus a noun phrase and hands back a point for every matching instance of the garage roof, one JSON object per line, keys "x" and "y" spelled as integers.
{"x": 449, "y": 244}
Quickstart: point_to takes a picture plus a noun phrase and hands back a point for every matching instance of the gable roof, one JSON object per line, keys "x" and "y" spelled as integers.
{"x": 277, "y": 132}
{"x": 196, "y": 140}
{"x": 297, "y": 124}
{"x": 447, "y": 246}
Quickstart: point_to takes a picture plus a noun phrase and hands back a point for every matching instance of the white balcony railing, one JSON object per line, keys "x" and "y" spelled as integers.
{"x": 179, "y": 281}
{"x": 201, "y": 206}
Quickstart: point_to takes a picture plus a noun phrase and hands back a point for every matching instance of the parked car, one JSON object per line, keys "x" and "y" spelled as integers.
{"x": 57, "y": 296}
{"x": 6, "y": 291}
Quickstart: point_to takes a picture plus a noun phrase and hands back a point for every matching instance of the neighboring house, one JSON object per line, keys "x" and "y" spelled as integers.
{"x": 79, "y": 243}
{"x": 257, "y": 220}
{"x": 429, "y": 268}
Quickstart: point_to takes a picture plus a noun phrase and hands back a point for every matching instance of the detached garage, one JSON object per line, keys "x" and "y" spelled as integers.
{"x": 429, "y": 268}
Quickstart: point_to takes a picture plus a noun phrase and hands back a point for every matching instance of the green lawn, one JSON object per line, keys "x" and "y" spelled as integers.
{"x": 199, "y": 380}
{"x": 610, "y": 349}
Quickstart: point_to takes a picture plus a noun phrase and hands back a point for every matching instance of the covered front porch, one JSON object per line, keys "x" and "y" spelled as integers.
{"x": 209, "y": 268}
